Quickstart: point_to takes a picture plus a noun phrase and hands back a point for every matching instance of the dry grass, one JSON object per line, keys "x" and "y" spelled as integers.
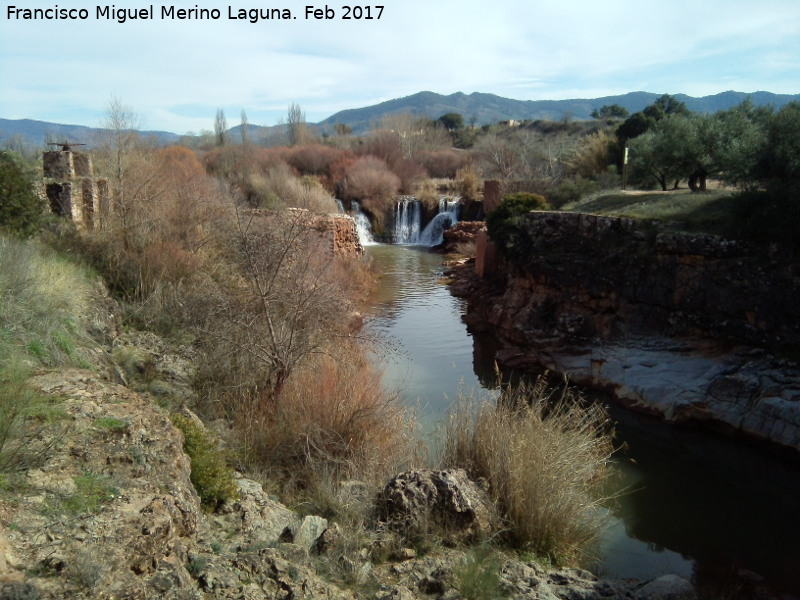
{"x": 332, "y": 421}
{"x": 42, "y": 299}
{"x": 545, "y": 460}
{"x": 277, "y": 186}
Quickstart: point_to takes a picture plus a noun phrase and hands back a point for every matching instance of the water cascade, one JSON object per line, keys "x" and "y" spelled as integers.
{"x": 433, "y": 234}
{"x": 407, "y": 221}
{"x": 362, "y": 225}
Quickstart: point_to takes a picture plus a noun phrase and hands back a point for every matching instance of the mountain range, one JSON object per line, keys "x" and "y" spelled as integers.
{"x": 477, "y": 108}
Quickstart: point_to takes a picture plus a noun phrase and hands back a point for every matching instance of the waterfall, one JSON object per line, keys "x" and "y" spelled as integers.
{"x": 433, "y": 234}
{"x": 340, "y": 205}
{"x": 407, "y": 219}
{"x": 362, "y": 225}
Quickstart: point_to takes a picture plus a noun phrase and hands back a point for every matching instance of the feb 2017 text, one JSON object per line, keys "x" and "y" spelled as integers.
{"x": 111, "y": 12}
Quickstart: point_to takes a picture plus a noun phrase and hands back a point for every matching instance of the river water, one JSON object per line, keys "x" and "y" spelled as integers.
{"x": 690, "y": 502}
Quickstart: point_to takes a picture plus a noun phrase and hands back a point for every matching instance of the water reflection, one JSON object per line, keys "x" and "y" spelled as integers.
{"x": 698, "y": 505}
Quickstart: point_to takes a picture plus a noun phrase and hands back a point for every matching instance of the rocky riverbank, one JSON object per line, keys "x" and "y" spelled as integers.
{"x": 670, "y": 323}
{"x": 109, "y": 509}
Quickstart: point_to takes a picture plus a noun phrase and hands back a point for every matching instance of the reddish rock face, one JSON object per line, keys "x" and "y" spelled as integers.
{"x": 659, "y": 318}
{"x": 337, "y": 233}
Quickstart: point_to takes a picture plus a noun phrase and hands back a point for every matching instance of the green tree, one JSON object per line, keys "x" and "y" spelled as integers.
{"x": 781, "y": 161}
{"x": 505, "y": 223}
{"x": 664, "y": 152}
{"x": 640, "y": 122}
{"x": 741, "y": 144}
{"x": 21, "y": 208}
{"x": 609, "y": 112}
{"x": 451, "y": 121}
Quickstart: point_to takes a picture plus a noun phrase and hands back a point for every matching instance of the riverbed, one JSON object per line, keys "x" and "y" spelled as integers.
{"x": 689, "y": 502}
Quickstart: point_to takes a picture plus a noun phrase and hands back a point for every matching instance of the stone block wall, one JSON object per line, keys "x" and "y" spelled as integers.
{"x": 72, "y": 191}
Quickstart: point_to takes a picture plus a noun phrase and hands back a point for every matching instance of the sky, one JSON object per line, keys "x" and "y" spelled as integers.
{"x": 175, "y": 74}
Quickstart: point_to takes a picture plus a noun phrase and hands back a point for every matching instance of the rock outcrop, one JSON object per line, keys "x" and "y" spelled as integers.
{"x": 446, "y": 501}
{"x": 671, "y": 323}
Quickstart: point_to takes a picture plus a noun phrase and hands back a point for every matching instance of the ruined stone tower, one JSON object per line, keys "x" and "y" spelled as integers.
{"x": 72, "y": 190}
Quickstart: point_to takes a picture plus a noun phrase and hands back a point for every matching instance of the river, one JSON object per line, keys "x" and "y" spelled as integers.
{"x": 690, "y": 502}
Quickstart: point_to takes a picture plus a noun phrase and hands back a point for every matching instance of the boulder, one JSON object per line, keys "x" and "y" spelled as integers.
{"x": 305, "y": 532}
{"x": 446, "y": 502}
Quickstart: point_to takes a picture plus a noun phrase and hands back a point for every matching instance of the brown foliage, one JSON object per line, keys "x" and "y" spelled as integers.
{"x": 370, "y": 181}
{"x": 313, "y": 159}
{"x": 331, "y": 417}
{"x": 443, "y": 164}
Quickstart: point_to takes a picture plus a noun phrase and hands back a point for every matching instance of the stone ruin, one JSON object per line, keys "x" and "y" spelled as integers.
{"x": 72, "y": 190}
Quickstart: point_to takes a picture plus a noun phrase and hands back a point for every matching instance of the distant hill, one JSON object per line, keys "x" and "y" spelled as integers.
{"x": 488, "y": 108}
{"x": 37, "y": 133}
{"x": 482, "y": 108}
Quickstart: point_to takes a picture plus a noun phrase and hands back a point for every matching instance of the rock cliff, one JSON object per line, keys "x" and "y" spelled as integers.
{"x": 688, "y": 326}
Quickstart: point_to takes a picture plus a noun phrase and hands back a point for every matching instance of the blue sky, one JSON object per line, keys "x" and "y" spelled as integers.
{"x": 176, "y": 74}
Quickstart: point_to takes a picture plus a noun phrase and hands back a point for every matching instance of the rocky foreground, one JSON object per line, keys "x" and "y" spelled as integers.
{"x": 111, "y": 512}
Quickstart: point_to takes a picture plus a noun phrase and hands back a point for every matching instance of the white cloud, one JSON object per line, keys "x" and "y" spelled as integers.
{"x": 176, "y": 74}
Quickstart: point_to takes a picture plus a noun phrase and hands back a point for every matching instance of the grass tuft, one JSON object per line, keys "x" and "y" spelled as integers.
{"x": 545, "y": 460}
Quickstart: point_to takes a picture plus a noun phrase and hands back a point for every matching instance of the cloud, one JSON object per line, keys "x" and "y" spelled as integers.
{"x": 174, "y": 71}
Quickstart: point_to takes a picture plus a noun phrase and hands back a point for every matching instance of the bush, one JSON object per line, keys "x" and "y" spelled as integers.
{"x": 468, "y": 183}
{"x": 443, "y": 164}
{"x": 278, "y": 187}
{"x": 370, "y": 181}
{"x": 211, "y": 476}
{"x": 332, "y": 421}
{"x": 312, "y": 159}
{"x": 545, "y": 461}
{"x": 504, "y": 223}
{"x": 21, "y": 209}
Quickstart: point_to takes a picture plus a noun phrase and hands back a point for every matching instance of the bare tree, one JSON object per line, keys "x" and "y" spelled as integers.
{"x": 220, "y": 127}
{"x": 244, "y": 128}
{"x": 288, "y": 304}
{"x": 298, "y": 128}
{"x": 125, "y": 158}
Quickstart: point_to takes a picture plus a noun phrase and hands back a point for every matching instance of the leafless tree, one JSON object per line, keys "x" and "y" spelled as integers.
{"x": 298, "y": 128}
{"x": 220, "y": 127}
{"x": 244, "y": 128}
{"x": 125, "y": 157}
{"x": 287, "y": 304}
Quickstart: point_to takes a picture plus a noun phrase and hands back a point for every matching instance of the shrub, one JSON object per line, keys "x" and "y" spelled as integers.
{"x": 92, "y": 491}
{"x": 278, "y": 187}
{"x": 593, "y": 154}
{"x": 411, "y": 175}
{"x": 504, "y": 224}
{"x": 211, "y": 476}
{"x": 370, "y": 181}
{"x": 21, "y": 209}
{"x": 312, "y": 159}
{"x": 443, "y": 164}
{"x": 331, "y": 421}
{"x": 545, "y": 461}
{"x": 468, "y": 183}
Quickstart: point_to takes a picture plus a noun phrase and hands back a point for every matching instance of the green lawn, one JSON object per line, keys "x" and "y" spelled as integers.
{"x": 756, "y": 216}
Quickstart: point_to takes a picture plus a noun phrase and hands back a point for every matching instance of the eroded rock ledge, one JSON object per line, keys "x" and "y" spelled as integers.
{"x": 687, "y": 326}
